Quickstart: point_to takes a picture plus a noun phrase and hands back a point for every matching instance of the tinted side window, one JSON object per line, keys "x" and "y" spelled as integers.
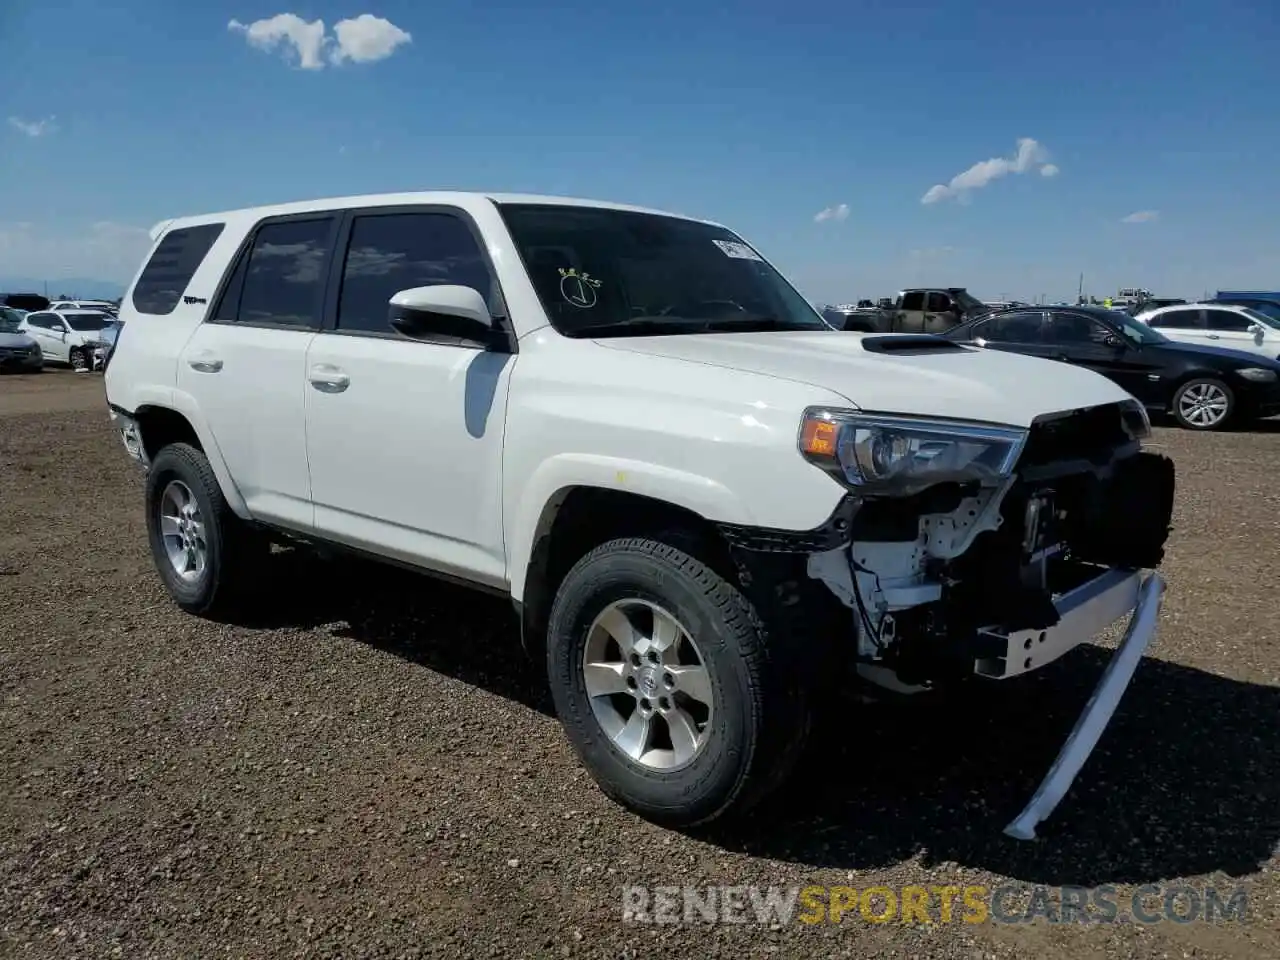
{"x": 1176, "y": 320}
{"x": 913, "y": 300}
{"x": 1228, "y": 321}
{"x": 285, "y": 276}
{"x": 1020, "y": 327}
{"x": 38, "y": 320}
{"x": 172, "y": 266}
{"x": 1075, "y": 328}
{"x": 937, "y": 302}
{"x": 393, "y": 252}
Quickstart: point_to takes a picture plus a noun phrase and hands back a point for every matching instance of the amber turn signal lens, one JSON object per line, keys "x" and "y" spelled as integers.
{"x": 818, "y": 438}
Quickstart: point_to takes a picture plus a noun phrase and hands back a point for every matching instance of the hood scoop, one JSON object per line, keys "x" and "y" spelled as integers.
{"x": 910, "y": 345}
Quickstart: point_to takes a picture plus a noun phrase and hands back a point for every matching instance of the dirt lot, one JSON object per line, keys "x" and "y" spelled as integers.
{"x": 370, "y": 769}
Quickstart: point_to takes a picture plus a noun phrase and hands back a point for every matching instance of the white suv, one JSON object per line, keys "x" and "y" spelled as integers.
{"x": 73, "y": 337}
{"x": 704, "y": 502}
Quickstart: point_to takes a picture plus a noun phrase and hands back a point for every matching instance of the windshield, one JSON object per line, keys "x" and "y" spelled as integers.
{"x": 968, "y": 301}
{"x": 601, "y": 272}
{"x": 9, "y": 320}
{"x": 86, "y": 321}
{"x": 1136, "y": 331}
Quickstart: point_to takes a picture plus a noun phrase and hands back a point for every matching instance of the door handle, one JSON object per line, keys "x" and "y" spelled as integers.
{"x": 328, "y": 379}
{"x": 205, "y": 363}
{"x": 1214, "y": 336}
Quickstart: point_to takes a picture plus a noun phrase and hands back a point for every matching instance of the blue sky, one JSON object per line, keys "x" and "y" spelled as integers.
{"x": 758, "y": 115}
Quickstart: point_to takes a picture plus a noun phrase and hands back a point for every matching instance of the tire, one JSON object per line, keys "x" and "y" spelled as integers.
{"x": 232, "y": 552}
{"x": 1204, "y": 403}
{"x": 78, "y": 360}
{"x": 758, "y": 718}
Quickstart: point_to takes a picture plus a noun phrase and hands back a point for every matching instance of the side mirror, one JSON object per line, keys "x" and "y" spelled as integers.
{"x": 446, "y": 309}
{"x": 1111, "y": 340}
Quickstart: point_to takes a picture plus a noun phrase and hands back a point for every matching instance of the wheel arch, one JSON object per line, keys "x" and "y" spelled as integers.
{"x": 161, "y": 425}
{"x": 577, "y": 518}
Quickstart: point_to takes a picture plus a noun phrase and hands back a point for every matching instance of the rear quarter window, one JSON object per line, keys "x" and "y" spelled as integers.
{"x": 171, "y": 267}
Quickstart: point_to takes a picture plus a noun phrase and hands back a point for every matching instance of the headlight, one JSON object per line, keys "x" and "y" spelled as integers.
{"x": 1257, "y": 374}
{"x": 899, "y": 456}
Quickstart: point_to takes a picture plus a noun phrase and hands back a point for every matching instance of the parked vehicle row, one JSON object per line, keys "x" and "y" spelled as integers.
{"x": 1202, "y": 387}
{"x": 74, "y": 337}
{"x": 630, "y": 424}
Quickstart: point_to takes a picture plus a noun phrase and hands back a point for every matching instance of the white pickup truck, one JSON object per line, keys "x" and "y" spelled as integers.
{"x": 708, "y": 507}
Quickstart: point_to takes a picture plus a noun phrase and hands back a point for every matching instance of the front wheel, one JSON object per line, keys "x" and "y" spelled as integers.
{"x": 79, "y": 359}
{"x": 1204, "y": 403}
{"x": 661, "y": 674}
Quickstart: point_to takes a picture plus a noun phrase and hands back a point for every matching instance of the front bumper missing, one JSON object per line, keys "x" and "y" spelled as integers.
{"x": 1102, "y": 703}
{"x": 1083, "y": 613}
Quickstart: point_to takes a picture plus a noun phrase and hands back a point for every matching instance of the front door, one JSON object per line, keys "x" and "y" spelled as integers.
{"x": 940, "y": 312}
{"x": 1087, "y": 342}
{"x": 405, "y": 435}
{"x": 246, "y": 366}
{"x": 1238, "y": 331}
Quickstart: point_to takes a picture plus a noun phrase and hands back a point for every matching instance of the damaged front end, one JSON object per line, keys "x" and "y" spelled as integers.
{"x": 996, "y": 568}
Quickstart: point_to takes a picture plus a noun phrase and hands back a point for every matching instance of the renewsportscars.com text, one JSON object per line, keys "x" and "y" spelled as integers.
{"x": 972, "y": 904}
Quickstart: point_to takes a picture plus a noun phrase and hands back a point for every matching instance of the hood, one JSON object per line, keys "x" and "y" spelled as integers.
{"x": 968, "y": 383}
{"x": 19, "y": 340}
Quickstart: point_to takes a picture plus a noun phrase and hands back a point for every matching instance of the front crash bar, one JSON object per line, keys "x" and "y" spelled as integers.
{"x": 1097, "y": 712}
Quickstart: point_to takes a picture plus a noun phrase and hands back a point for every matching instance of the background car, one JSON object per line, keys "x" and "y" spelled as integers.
{"x": 110, "y": 334}
{"x": 1218, "y": 325}
{"x": 18, "y": 350}
{"x": 68, "y": 336}
{"x": 1203, "y": 388}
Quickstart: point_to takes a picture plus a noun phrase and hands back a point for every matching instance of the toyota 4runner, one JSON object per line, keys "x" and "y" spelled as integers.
{"x": 701, "y": 499}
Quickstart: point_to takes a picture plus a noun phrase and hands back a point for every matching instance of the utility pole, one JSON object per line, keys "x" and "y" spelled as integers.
{"x": 1080, "y": 287}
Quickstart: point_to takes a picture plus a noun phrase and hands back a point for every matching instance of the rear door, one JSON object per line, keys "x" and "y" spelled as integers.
{"x": 1016, "y": 332}
{"x": 246, "y": 365}
{"x": 1185, "y": 325}
{"x": 910, "y": 314}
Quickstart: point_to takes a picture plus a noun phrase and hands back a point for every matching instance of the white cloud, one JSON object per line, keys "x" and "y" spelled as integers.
{"x": 33, "y": 128}
{"x": 362, "y": 39}
{"x": 1141, "y": 216}
{"x": 1031, "y": 154}
{"x": 838, "y": 212}
{"x": 365, "y": 39}
{"x": 105, "y": 250}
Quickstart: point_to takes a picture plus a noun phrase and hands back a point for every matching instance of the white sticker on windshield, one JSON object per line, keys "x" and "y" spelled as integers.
{"x": 739, "y": 251}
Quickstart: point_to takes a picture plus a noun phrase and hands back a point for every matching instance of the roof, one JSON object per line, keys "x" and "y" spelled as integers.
{"x": 413, "y": 198}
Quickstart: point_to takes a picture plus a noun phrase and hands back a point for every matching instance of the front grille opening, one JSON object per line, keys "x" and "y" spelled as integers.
{"x": 1092, "y": 434}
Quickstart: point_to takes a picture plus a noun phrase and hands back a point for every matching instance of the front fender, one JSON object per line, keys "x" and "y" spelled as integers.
{"x": 701, "y": 495}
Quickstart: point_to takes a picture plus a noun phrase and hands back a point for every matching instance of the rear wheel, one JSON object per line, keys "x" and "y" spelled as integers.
{"x": 1204, "y": 403}
{"x": 662, "y": 676}
{"x": 206, "y": 556}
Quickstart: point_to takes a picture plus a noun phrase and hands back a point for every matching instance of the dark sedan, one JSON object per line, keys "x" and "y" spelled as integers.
{"x": 1203, "y": 388}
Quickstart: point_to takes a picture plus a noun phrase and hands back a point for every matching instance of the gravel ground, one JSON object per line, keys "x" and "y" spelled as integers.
{"x": 371, "y": 769}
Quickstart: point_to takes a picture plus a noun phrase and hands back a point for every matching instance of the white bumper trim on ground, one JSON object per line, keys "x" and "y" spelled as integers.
{"x": 1097, "y": 712}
